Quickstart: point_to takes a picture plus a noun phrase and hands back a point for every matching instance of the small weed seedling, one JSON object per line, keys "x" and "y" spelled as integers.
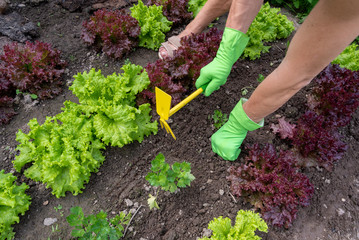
{"x": 219, "y": 119}
{"x": 245, "y": 90}
{"x": 260, "y": 78}
{"x": 33, "y": 96}
{"x": 169, "y": 178}
{"x": 97, "y": 226}
{"x": 59, "y": 210}
{"x": 54, "y": 230}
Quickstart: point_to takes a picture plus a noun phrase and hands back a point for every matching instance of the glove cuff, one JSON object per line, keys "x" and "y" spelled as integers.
{"x": 232, "y": 45}
{"x": 241, "y": 117}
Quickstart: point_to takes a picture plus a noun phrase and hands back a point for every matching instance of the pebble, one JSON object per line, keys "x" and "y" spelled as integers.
{"x": 128, "y": 202}
{"x": 340, "y": 211}
{"x": 221, "y": 192}
{"x": 206, "y": 204}
{"x": 45, "y": 203}
{"x": 49, "y": 221}
{"x": 206, "y": 232}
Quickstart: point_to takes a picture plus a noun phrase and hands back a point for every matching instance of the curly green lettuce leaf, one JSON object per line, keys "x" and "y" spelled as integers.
{"x": 64, "y": 151}
{"x": 349, "y": 58}
{"x": 247, "y": 222}
{"x": 268, "y": 26}
{"x": 111, "y": 101}
{"x": 13, "y": 201}
{"x": 94, "y": 89}
{"x": 153, "y": 25}
{"x": 194, "y": 6}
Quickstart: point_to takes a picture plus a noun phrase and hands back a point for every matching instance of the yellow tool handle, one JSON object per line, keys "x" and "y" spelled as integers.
{"x": 185, "y": 101}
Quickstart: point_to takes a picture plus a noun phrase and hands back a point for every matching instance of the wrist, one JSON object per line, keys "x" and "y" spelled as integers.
{"x": 232, "y": 45}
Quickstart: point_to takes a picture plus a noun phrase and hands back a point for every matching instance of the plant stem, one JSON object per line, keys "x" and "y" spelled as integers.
{"x": 124, "y": 233}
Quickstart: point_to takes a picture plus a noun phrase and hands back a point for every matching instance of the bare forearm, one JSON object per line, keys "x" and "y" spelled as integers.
{"x": 272, "y": 93}
{"x": 329, "y": 28}
{"x": 242, "y": 14}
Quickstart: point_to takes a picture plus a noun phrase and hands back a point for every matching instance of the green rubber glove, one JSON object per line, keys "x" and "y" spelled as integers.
{"x": 215, "y": 74}
{"x": 227, "y": 140}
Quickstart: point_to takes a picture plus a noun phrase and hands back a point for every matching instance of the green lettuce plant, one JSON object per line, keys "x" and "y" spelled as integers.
{"x": 349, "y": 58}
{"x": 97, "y": 226}
{"x": 153, "y": 25}
{"x": 298, "y": 6}
{"x": 66, "y": 149}
{"x": 169, "y": 178}
{"x": 194, "y": 6}
{"x": 63, "y": 151}
{"x": 268, "y": 26}
{"x": 247, "y": 222}
{"x": 13, "y": 201}
{"x": 111, "y": 102}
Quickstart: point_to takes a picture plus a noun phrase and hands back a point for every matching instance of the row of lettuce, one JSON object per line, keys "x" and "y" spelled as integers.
{"x": 36, "y": 68}
{"x": 115, "y": 110}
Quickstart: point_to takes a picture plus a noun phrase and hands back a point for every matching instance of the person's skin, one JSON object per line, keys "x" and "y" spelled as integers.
{"x": 210, "y": 11}
{"x": 242, "y": 13}
{"x": 330, "y": 27}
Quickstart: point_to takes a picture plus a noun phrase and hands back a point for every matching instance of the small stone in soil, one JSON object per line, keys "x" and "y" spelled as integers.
{"x": 340, "y": 211}
{"x": 49, "y": 221}
{"x": 128, "y": 202}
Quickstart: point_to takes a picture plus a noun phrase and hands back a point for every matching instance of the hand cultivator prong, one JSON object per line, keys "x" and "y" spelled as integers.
{"x": 167, "y": 127}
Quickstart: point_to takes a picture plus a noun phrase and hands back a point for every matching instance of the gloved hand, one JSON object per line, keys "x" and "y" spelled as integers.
{"x": 215, "y": 74}
{"x": 227, "y": 140}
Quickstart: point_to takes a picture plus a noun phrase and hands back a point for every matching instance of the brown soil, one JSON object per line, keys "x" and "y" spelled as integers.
{"x": 332, "y": 214}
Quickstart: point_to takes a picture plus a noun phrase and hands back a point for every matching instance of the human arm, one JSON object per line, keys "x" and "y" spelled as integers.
{"x": 329, "y": 28}
{"x": 234, "y": 40}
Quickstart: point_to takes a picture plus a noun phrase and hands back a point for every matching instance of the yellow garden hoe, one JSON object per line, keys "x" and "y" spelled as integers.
{"x": 163, "y": 106}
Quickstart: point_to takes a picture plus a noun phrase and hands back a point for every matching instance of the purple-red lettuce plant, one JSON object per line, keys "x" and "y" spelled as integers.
{"x": 160, "y": 79}
{"x": 35, "y": 68}
{"x": 336, "y": 95}
{"x": 272, "y": 183}
{"x": 115, "y": 32}
{"x": 175, "y": 75}
{"x": 174, "y": 10}
{"x": 316, "y": 141}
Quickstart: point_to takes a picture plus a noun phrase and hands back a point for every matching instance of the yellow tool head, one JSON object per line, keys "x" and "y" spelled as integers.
{"x": 163, "y": 103}
{"x": 163, "y": 106}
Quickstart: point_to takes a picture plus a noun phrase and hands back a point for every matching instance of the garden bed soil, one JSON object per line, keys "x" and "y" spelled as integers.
{"x": 120, "y": 183}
